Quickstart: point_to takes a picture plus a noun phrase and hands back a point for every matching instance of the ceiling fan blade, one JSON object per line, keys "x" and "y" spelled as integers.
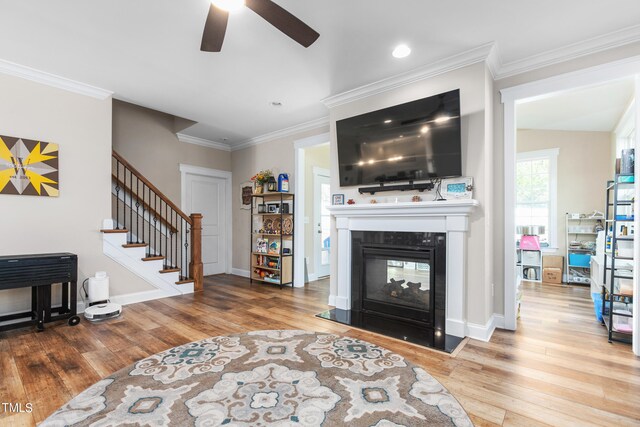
{"x": 214, "y": 30}
{"x": 284, "y": 21}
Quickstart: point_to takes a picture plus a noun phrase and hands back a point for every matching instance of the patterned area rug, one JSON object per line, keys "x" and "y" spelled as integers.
{"x": 267, "y": 378}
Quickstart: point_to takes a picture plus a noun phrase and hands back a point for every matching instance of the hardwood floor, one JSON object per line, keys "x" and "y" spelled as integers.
{"x": 558, "y": 369}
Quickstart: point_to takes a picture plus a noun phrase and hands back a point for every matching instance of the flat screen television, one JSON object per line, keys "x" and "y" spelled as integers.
{"x": 419, "y": 140}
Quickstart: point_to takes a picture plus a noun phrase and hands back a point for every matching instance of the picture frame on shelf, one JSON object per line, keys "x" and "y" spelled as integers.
{"x": 262, "y": 208}
{"x": 273, "y": 208}
{"x": 337, "y": 199}
{"x": 457, "y": 188}
{"x": 262, "y": 245}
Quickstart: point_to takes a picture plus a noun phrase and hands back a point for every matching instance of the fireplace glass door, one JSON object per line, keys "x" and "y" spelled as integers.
{"x": 398, "y": 282}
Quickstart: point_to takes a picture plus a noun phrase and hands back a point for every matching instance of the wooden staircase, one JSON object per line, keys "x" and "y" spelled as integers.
{"x": 152, "y": 223}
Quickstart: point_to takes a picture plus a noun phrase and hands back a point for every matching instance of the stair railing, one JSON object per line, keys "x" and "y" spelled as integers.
{"x": 153, "y": 221}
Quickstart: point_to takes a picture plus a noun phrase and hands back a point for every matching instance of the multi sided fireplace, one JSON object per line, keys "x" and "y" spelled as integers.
{"x": 436, "y": 227}
{"x": 399, "y": 282}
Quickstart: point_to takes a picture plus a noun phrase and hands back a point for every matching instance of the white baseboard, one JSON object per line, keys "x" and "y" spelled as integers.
{"x": 240, "y": 272}
{"x": 131, "y": 298}
{"x": 313, "y": 277}
{"x": 125, "y": 299}
{"x": 138, "y": 297}
{"x": 456, "y": 328}
{"x": 343, "y": 303}
{"x": 332, "y": 300}
{"x": 499, "y": 321}
{"x": 484, "y": 332}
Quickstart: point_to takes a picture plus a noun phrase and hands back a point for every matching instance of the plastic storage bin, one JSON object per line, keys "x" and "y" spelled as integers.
{"x": 597, "y": 305}
{"x": 579, "y": 260}
{"x": 531, "y": 258}
{"x": 622, "y": 323}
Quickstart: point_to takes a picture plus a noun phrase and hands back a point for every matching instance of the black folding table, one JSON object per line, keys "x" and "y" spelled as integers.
{"x": 39, "y": 272}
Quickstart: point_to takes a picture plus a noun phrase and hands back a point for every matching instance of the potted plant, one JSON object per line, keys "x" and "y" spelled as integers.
{"x": 260, "y": 179}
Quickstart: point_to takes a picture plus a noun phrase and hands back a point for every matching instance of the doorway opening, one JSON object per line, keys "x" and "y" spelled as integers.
{"x": 317, "y": 219}
{"x": 561, "y": 187}
{"x": 312, "y": 217}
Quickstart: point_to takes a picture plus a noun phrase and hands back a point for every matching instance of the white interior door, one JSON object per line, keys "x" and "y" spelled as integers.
{"x": 322, "y": 223}
{"x": 207, "y": 195}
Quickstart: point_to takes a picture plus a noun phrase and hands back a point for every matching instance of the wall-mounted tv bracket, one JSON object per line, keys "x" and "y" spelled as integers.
{"x": 425, "y": 186}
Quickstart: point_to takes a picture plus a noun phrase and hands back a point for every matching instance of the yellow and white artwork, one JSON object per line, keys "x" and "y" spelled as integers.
{"x": 28, "y": 167}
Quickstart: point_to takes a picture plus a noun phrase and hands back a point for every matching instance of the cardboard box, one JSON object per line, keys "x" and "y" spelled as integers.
{"x": 552, "y": 275}
{"x": 553, "y": 261}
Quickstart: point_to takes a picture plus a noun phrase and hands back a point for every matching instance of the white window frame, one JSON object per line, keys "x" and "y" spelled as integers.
{"x": 626, "y": 128}
{"x": 551, "y": 155}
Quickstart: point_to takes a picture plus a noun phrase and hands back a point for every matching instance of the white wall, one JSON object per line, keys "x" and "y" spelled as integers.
{"x": 70, "y": 223}
{"x": 477, "y": 148}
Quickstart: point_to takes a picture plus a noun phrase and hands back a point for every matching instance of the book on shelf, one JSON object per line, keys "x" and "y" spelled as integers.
{"x": 274, "y": 247}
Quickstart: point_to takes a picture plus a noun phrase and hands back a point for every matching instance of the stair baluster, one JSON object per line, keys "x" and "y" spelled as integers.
{"x": 117, "y": 188}
{"x": 157, "y": 223}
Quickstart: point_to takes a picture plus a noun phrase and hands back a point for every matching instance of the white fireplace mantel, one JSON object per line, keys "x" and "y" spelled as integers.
{"x": 448, "y": 216}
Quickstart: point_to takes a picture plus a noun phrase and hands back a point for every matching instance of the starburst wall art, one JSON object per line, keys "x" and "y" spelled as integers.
{"x": 28, "y": 167}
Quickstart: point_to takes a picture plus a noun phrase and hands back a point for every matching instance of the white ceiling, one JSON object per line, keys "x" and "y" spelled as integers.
{"x": 595, "y": 108}
{"x": 147, "y": 51}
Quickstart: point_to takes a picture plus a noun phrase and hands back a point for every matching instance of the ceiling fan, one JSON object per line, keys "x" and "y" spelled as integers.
{"x": 216, "y": 24}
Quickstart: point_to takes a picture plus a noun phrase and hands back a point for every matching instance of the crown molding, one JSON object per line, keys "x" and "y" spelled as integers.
{"x": 203, "y": 142}
{"x": 493, "y": 61}
{"x": 283, "y": 133}
{"x": 461, "y": 60}
{"x": 21, "y": 71}
{"x": 576, "y": 50}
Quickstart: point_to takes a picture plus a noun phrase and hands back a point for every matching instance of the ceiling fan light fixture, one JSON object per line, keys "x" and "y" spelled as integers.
{"x": 229, "y": 5}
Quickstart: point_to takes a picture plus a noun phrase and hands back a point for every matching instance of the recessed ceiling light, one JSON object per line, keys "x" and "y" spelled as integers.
{"x": 387, "y": 121}
{"x": 229, "y": 5}
{"x": 401, "y": 51}
{"x": 442, "y": 119}
{"x": 360, "y": 163}
{"x": 424, "y": 129}
{"x": 276, "y": 104}
{"x": 371, "y": 162}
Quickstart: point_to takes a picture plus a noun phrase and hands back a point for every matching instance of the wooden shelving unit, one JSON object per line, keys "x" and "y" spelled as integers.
{"x": 275, "y": 264}
{"x": 615, "y": 296}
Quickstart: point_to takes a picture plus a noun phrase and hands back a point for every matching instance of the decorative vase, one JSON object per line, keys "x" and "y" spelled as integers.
{"x": 259, "y": 189}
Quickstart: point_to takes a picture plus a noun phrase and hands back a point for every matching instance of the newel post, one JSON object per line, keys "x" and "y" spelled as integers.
{"x": 195, "y": 266}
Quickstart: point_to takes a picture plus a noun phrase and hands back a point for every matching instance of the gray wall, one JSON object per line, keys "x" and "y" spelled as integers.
{"x": 146, "y": 139}
{"x": 476, "y": 92}
{"x": 71, "y": 222}
{"x": 277, "y": 155}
